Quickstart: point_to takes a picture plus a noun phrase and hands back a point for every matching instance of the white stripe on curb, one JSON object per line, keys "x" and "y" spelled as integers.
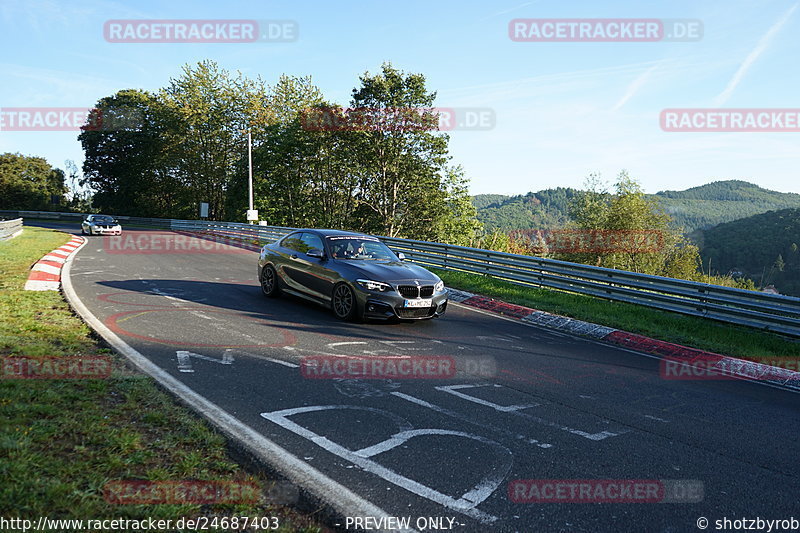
{"x": 41, "y": 285}
{"x": 46, "y": 268}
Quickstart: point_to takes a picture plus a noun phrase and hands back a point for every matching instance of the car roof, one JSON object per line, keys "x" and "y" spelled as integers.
{"x": 335, "y": 232}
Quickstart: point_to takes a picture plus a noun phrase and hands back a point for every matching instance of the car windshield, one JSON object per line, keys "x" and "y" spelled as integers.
{"x": 103, "y": 220}
{"x": 359, "y": 248}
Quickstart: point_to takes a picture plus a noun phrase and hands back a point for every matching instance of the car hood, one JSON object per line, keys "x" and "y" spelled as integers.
{"x": 391, "y": 271}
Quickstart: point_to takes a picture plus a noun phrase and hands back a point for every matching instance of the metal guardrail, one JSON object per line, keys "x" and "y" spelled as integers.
{"x": 162, "y": 223}
{"x": 233, "y": 230}
{"x": 769, "y": 312}
{"x": 776, "y": 313}
{"x": 10, "y": 229}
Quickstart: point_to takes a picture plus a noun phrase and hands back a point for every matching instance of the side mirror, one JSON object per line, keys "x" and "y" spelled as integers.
{"x": 315, "y": 252}
{"x": 401, "y": 256}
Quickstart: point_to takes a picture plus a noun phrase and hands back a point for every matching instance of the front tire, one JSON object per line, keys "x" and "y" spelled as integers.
{"x": 344, "y": 303}
{"x": 269, "y": 282}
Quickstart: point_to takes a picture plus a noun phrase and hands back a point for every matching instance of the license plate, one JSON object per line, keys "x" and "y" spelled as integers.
{"x": 418, "y": 303}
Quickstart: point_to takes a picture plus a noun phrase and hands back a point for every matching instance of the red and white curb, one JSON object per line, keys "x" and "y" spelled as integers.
{"x": 729, "y": 366}
{"x": 46, "y": 273}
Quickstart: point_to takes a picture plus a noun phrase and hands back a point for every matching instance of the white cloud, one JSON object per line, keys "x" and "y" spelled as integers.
{"x": 752, "y": 57}
{"x": 634, "y": 87}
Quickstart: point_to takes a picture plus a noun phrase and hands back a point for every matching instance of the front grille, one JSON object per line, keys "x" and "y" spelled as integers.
{"x": 426, "y": 291}
{"x": 408, "y": 291}
{"x": 414, "y": 312}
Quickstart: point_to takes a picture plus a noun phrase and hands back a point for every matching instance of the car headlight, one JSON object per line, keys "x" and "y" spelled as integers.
{"x": 439, "y": 287}
{"x": 374, "y": 285}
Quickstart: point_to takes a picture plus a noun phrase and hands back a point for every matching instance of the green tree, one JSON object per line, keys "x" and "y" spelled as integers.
{"x": 627, "y": 209}
{"x": 30, "y": 183}
{"x": 129, "y": 163}
{"x": 402, "y": 161}
{"x": 208, "y": 112}
{"x": 302, "y": 175}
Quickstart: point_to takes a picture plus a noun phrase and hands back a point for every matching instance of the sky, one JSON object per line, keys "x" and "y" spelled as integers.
{"x": 560, "y": 110}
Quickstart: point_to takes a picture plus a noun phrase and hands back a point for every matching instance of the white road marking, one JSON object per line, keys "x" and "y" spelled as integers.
{"x": 655, "y": 418}
{"x": 591, "y": 436}
{"x": 278, "y": 361}
{"x": 332, "y": 344}
{"x": 492, "y": 338}
{"x": 199, "y": 314}
{"x": 230, "y": 351}
{"x": 402, "y": 345}
{"x": 159, "y": 292}
{"x": 185, "y": 363}
{"x": 452, "y": 389}
{"x": 318, "y": 353}
{"x": 466, "y": 418}
{"x": 465, "y": 504}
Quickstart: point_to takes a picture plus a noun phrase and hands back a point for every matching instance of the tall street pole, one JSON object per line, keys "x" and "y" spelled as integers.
{"x": 250, "y": 169}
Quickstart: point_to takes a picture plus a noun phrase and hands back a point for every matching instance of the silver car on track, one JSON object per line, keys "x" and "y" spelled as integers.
{"x": 100, "y": 225}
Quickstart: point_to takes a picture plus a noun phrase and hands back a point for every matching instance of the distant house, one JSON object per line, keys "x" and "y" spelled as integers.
{"x": 770, "y": 289}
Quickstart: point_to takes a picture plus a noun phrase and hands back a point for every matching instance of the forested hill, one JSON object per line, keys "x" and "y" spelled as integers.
{"x": 764, "y": 247}
{"x": 722, "y": 201}
{"x": 696, "y": 208}
{"x": 541, "y": 210}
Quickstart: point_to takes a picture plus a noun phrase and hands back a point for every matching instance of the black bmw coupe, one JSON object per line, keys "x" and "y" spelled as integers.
{"x": 356, "y": 275}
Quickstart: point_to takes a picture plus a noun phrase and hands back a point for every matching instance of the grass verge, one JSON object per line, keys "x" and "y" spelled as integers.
{"x": 726, "y": 339}
{"x": 61, "y": 441}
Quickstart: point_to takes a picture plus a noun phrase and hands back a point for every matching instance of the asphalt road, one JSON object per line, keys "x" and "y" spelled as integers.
{"x": 549, "y": 407}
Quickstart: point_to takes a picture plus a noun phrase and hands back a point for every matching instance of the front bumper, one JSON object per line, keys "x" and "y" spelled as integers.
{"x": 94, "y": 230}
{"x": 390, "y": 304}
